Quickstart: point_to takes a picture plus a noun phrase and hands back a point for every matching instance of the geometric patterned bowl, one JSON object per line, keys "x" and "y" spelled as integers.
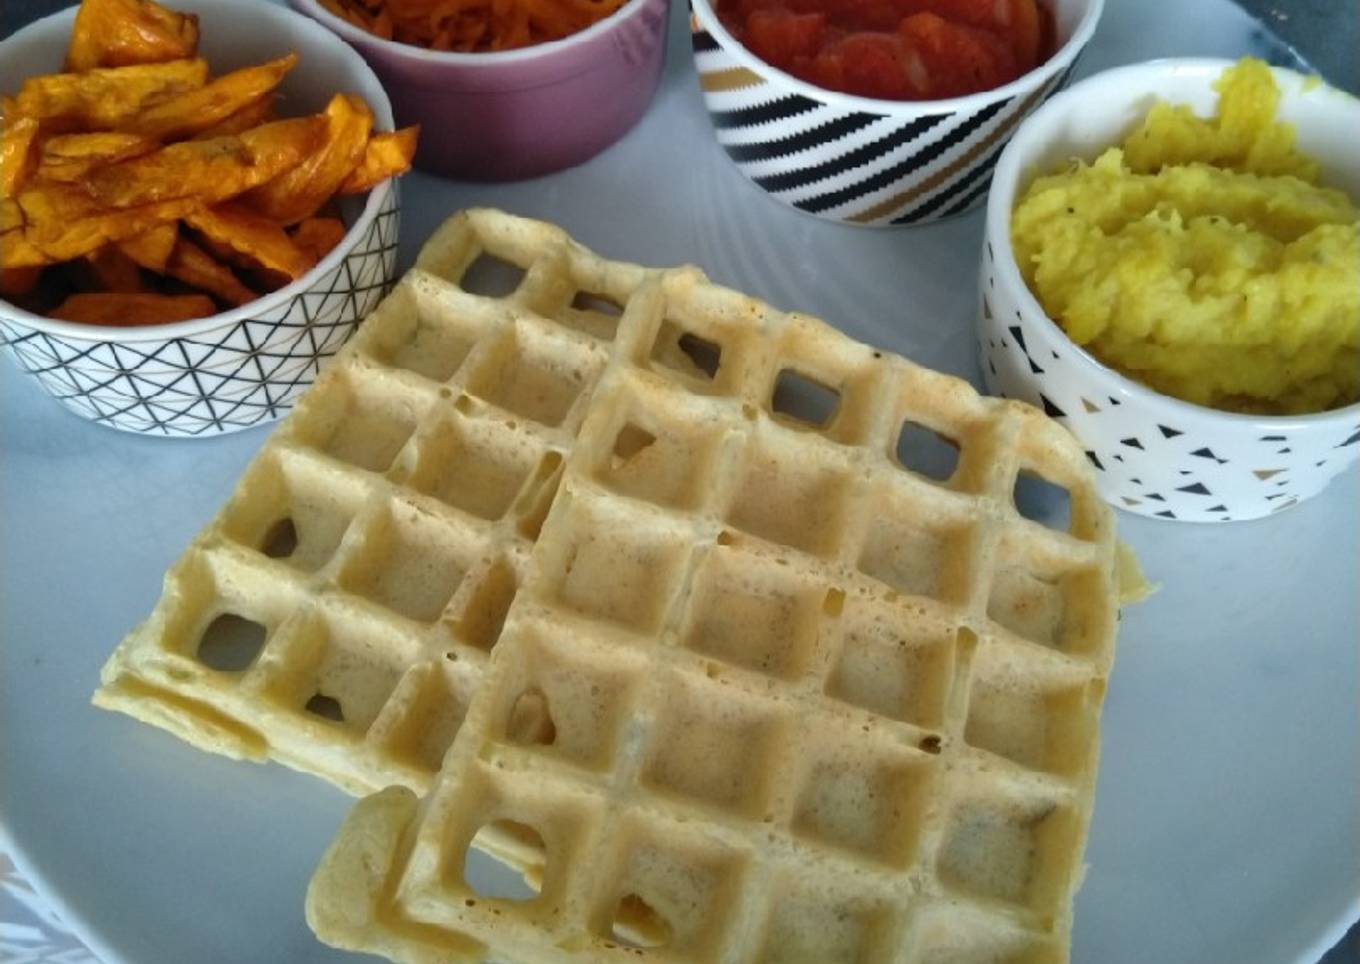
{"x": 227, "y": 372}
{"x": 1155, "y": 455}
{"x": 860, "y": 160}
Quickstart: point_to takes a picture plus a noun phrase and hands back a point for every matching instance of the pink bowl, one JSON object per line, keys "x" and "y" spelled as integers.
{"x": 519, "y": 113}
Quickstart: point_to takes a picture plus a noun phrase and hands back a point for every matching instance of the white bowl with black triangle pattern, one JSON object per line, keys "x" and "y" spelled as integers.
{"x": 861, "y": 160}
{"x": 1155, "y": 455}
{"x": 244, "y": 367}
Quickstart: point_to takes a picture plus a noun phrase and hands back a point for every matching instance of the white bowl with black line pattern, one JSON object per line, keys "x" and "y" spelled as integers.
{"x": 861, "y": 160}
{"x": 1155, "y": 455}
{"x": 243, "y": 367}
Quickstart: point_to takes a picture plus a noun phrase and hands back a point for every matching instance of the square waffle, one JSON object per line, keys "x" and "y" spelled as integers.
{"x": 337, "y": 613}
{"x": 765, "y": 694}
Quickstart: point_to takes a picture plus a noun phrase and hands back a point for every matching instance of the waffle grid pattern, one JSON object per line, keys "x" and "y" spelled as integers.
{"x": 376, "y": 541}
{"x": 765, "y": 695}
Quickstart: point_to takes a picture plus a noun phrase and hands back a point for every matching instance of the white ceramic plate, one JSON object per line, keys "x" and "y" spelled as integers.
{"x": 1225, "y": 824}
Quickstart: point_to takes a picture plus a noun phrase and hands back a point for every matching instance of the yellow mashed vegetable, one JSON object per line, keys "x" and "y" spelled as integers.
{"x": 1203, "y": 258}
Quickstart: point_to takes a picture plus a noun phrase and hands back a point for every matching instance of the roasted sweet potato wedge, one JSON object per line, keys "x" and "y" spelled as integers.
{"x": 194, "y": 266}
{"x": 256, "y": 237}
{"x": 151, "y": 248}
{"x": 317, "y": 236}
{"x": 386, "y": 155}
{"x": 119, "y": 33}
{"x": 17, "y": 282}
{"x": 188, "y": 113}
{"x": 70, "y": 157}
{"x": 251, "y": 115}
{"x": 112, "y": 270}
{"x": 105, "y": 98}
{"x": 106, "y": 308}
{"x": 210, "y": 171}
{"x": 60, "y": 222}
{"x": 16, "y": 153}
{"x": 298, "y": 194}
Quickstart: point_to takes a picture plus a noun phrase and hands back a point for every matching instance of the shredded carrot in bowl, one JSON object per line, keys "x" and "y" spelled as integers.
{"x": 472, "y": 26}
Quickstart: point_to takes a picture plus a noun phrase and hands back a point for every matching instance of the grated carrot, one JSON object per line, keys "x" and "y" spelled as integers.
{"x": 472, "y": 26}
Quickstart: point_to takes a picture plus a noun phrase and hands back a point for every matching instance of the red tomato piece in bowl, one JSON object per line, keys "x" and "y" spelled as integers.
{"x": 785, "y": 37}
{"x": 895, "y": 49}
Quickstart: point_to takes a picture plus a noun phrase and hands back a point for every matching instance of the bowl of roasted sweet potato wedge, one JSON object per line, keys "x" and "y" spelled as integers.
{"x": 197, "y": 206}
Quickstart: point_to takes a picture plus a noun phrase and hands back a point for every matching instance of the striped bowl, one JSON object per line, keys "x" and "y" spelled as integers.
{"x": 865, "y": 161}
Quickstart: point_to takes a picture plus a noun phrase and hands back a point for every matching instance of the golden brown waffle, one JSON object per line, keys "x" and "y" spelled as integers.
{"x": 764, "y": 694}
{"x": 337, "y": 613}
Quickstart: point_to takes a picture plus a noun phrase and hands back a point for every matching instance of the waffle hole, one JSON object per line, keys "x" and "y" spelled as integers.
{"x": 529, "y": 852}
{"x": 630, "y": 442}
{"x": 638, "y": 924}
{"x": 230, "y": 643}
{"x": 705, "y": 354}
{"x": 531, "y": 719}
{"x": 1042, "y": 501}
{"x": 930, "y": 744}
{"x": 926, "y": 452}
{"x": 591, "y": 301}
{"x": 491, "y": 276}
{"x": 532, "y": 509}
{"x": 685, "y": 352}
{"x": 281, "y": 541}
{"x": 804, "y": 399}
{"x": 326, "y": 707}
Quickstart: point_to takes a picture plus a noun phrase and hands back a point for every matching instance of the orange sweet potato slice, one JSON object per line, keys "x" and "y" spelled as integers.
{"x": 387, "y": 155}
{"x": 251, "y": 115}
{"x": 60, "y": 222}
{"x": 16, "y": 153}
{"x": 151, "y": 248}
{"x": 17, "y": 282}
{"x": 317, "y": 236}
{"x": 16, "y": 251}
{"x": 194, "y": 266}
{"x": 299, "y": 193}
{"x": 210, "y": 171}
{"x": 118, "y": 33}
{"x": 112, "y": 270}
{"x": 104, "y": 98}
{"x": 192, "y": 111}
{"x": 106, "y": 308}
{"x": 261, "y": 240}
{"x": 70, "y": 157}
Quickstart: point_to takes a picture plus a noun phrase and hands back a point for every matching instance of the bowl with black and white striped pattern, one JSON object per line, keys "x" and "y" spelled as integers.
{"x": 861, "y": 160}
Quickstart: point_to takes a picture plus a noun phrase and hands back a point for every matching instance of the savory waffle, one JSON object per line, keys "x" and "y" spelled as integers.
{"x": 337, "y": 613}
{"x": 764, "y": 693}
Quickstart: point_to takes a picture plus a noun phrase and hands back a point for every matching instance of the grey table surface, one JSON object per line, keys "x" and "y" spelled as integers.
{"x": 1326, "y": 33}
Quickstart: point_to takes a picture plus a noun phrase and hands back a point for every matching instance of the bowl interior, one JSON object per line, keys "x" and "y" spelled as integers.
{"x": 233, "y": 34}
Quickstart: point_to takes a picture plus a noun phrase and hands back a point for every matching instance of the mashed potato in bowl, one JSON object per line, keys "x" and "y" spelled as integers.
{"x": 1203, "y": 258}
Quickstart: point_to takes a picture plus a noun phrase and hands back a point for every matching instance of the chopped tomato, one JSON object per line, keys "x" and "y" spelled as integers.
{"x": 780, "y": 37}
{"x": 958, "y": 59}
{"x": 896, "y": 49}
{"x": 869, "y": 65}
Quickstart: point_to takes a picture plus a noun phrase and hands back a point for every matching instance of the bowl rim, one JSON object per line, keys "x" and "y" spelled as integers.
{"x": 1026, "y": 82}
{"x": 129, "y": 334}
{"x": 354, "y": 35}
{"x": 1005, "y": 184}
